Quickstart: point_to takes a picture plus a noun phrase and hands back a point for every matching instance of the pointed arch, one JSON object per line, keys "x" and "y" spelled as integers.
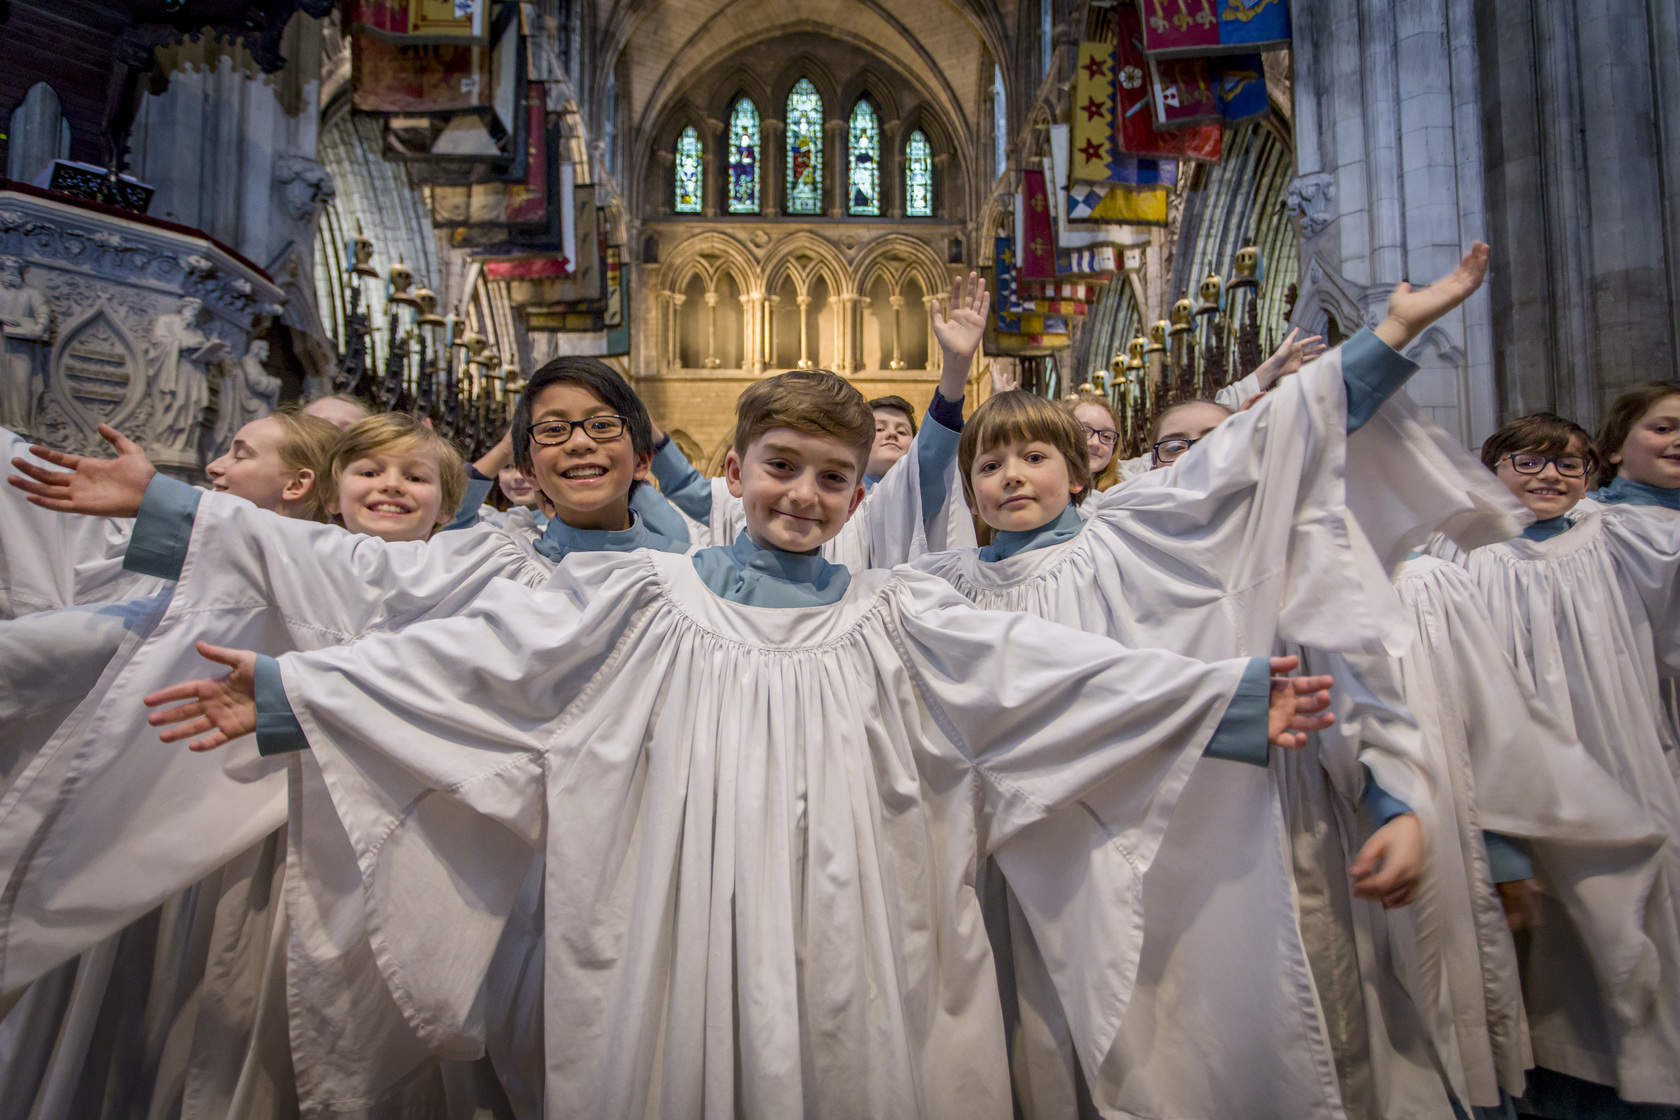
{"x": 863, "y": 160}
{"x": 742, "y": 156}
{"x": 804, "y": 133}
{"x": 690, "y": 173}
{"x": 918, "y": 176}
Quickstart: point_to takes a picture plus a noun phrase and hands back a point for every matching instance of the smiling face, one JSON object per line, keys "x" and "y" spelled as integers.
{"x": 796, "y": 489}
{"x": 254, "y": 470}
{"x": 393, "y": 493}
{"x": 892, "y": 440}
{"x": 1651, "y": 452}
{"x": 516, "y": 487}
{"x": 1189, "y": 421}
{"x": 1547, "y": 494}
{"x": 1096, "y": 420}
{"x": 588, "y": 481}
{"x": 1021, "y": 485}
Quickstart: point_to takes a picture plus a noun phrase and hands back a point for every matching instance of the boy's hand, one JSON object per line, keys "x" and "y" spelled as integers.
{"x": 99, "y": 487}
{"x": 1388, "y": 867}
{"x": 1288, "y": 358}
{"x": 1297, "y": 706}
{"x": 960, "y": 332}
{"x": 497, "y": 457}
{"x": 1409, "y": 312}
{"x": 224, "y": 706}
{"x": 1521, "y": 900}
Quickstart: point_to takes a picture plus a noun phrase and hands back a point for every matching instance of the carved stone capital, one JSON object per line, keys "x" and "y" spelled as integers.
{"x": 305, "y": 185}
{"x": 1311, "y": 201}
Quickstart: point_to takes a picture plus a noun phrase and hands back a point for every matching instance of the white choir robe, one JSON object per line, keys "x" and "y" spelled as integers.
{"x": 1517, "y": 771}
{"x": 762, "y": 826}
{"x": 1241, "y": 542}
{"x": 48, "y": 560}
{"x": 1587, "y": 618}
{"x": 107, "y": 822}
{"x": 887, "y": 528}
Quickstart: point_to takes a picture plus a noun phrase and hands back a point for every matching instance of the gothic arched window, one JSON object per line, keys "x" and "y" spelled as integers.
{"x": 863, "y": 160}
{"x": 690, "y": 172}
{"x": 743, "y": 158}
{"x": 804, "y": 148}
{"x": 918, "y": 176}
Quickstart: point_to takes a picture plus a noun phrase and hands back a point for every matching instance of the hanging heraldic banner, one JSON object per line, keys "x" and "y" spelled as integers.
{"x": 1134, "y": 118}
{"x": 1190, "y": 91}
{"x": 418, "y": 21}
{"x": 1179, "y": 28}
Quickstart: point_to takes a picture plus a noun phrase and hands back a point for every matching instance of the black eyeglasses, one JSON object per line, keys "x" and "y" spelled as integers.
{"x": 1569, "y": 466}
{"x": 552, "y": 433}
{"x": 1168, "y": 450}
{"x": 1108, "y": 437}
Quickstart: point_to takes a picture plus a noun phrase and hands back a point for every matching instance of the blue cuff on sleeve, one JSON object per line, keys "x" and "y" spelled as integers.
{"x": 157, "y": 546}
{"x": 1508, "y": 860}
{"x": 478, "y": 489}
{"x": 947, "y": 414}
{"x": 1382, "y": 805}
{"x": 1373, "y": 371}
{"x": 682, "y": 485}
{"x": 936, "y": 450}
{"x": 278, "y": 731}
{"x": 1241, "y": 735}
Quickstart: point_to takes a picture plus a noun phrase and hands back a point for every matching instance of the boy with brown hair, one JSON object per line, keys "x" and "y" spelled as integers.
{"x": 763, "y": 783}
{"x": 913, "y": 512}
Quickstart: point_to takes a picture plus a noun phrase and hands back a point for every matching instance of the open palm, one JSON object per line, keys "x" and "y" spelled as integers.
{"x": 216, "y": 709}
{"x": 959, "y": 332}
{"x": 100, "y": 487}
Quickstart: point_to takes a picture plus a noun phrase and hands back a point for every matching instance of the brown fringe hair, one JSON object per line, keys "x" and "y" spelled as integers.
{"x": 398, "y": 429}
{"x": 1017, "y": 416}
{"x": 1545, "y": 433}
{"x": 818, "y": 402}
{"x": 1628, "y": 410}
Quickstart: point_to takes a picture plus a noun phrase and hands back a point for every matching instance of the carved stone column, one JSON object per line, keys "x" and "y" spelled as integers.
{"x": 805, "y": 332}
{"x": 851, "y": 357}
{"x": 711, "y": 330}
{"x": 749, "y": 331}
{"x": 896, "y": 301}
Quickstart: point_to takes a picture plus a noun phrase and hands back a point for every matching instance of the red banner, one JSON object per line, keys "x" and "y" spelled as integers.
{"x": 1038, "y": 251}
{"x": 1181, "y": 93}
{"x": 1134, "y": 119}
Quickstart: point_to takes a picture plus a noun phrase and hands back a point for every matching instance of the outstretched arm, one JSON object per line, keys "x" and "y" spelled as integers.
{"x": 98, "y": 487}
{"x": 1289, "y": 357}
{"x": 1411, "y": 311}
{"x": 217, "y": 710}
{"x": 959, "y": 326}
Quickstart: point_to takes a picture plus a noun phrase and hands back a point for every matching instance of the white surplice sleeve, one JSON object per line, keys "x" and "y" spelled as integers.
{"x": 1645, "y": 542}
{"x": 322, "y": 578}
{"x": 432, "y": 742}
{"x": 1079, "y": 749}
{"x": 50, "y": 560}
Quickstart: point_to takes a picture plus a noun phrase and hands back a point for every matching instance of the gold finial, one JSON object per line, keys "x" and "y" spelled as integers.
{"x": 401, "y": 278}
{"x": 1135, "y": 350}
{"x": 1182, "y": 313}
{"x": 1158, "y": 336}
{"x": 1248, "y": 262}
{"x": 361, "y": 254}
{"x": 427, "y": 301}
{"x": 1212, "y": 287}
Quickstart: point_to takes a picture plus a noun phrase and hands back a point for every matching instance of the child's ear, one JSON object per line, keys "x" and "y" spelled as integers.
{"x": 732, "y": 473}
{"x": 857, "y": 500}
{"x": 1614, "y": 458}
{"x": 644, "y": 464}
{"x": 302, "y": 482}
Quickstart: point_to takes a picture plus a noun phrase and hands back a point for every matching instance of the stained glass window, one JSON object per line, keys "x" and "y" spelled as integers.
{"x": 689, "y": 172}
{"x": 918, "y": 176}
{"x": 863, "y": 159}
{"x": 743, "y": 158}
{"x": 804, "y": 149}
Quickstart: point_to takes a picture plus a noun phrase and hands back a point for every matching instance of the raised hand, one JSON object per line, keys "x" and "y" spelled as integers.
{"x": 1411, "y": 310}
{"x": 1388, "y": 867}
{"x": 217, "y": 709}
{"x": 960, "y": 330}
{"x": 100, "y": 487}
{"x": 1297, "y": 705}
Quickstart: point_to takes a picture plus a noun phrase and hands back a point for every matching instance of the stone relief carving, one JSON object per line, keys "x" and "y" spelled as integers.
{"x": 247, "y": 393}
{"x": 141, "y": 326}
{"x": 305, "y": 185}
{"x": 1311, "y": 202}
{"x": 181, "y": 361}
{"x": 26, "y": 322}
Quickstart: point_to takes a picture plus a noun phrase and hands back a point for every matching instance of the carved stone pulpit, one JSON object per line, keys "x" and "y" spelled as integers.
{"x": 146, "y": 325}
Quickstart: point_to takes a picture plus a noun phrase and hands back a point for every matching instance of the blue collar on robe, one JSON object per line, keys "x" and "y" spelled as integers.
{"x": 1547, "y": 529}
{"x": 1009, "y": 542}
{"x": 869, "y": 482}
{"x": 1625, "y": 491}
{"x": 767, "y": 577}
{"x": 560, "y": 540}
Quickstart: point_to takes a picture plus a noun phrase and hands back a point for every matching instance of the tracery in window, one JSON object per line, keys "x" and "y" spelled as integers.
{"x": 690, "y": 173}
{"x": 918, "y": 176}
{"x": 804, "y": 149}
{"x": 863, "y": 160}
{"x": 743, "y": 158}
